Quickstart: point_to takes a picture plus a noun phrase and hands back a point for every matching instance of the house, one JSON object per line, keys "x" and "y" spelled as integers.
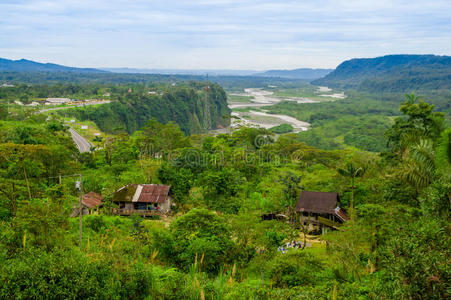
{"x": 142, "y": 199}
{"x": 91, "y": 202}
{"x": 319, "y": 211}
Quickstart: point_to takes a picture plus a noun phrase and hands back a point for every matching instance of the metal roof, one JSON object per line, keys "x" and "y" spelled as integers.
{"x": 147, "y": 193}
{"x": 92, "y": 199}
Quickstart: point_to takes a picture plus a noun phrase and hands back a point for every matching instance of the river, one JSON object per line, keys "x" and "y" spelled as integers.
{"x": 261, "y": 117}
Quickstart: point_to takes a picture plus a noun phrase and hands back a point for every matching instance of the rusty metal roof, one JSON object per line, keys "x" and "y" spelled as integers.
{"x": 92, "y": 199}
{"x": 147, "y": 193}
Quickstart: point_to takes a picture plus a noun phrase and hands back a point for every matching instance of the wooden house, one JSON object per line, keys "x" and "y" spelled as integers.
{"x": 142, "y": 199}
{"x": 319, "y": 211}
{"x": 91, "y": 202}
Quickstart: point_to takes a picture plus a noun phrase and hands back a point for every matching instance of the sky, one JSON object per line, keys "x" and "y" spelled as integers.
{"x": 220, "y": 34}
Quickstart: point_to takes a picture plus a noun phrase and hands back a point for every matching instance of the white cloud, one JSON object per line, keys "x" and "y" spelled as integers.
{"x": 220, "y": 33}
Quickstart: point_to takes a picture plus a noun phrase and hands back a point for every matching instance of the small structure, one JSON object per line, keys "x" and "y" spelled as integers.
{"x": 7, "y": 85}
{"x": 51, "y": 101}
{"x": 90, "y": 204}
{"x": 142, "y": 199}
{"x": 273, "y": 216}
{"x": 319, "y": 211}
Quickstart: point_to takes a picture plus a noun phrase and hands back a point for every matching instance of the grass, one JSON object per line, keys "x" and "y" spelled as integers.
{"x": 86, "y": 133}
{"x": 244, "y": 109}
{"x": 307, "y": 91}
{"x": 239, "y": 98}
{"x": 264, "y": 119}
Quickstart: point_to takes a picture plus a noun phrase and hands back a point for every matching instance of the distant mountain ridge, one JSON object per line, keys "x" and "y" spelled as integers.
{"x": 24, "y": 65}
{"x": 202, "y": 72}
{"x": 301, "y": 73}
{"x": 394, "y": 73}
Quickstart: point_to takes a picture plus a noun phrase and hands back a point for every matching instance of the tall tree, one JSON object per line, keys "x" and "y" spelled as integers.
{"x": 352, "y": 172}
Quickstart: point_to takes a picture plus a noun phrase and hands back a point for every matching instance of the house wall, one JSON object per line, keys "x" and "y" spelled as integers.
{"x": 166, "y": 206}
{"x": 310, "y": 220}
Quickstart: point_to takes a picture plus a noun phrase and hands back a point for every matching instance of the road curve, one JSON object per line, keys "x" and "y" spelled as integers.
{"x": 82, "y": 144}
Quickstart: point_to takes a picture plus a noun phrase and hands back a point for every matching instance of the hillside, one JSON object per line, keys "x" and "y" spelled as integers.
{"x": 24, "y": 65}
{"x": 391, "y": 73}
{"x": 303, "y": 73}
{"x": 193, "y": 106}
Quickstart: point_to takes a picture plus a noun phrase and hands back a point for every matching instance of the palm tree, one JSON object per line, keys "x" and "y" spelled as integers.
{"x": 352, "y": 172}
{"x": 419, "y": 167}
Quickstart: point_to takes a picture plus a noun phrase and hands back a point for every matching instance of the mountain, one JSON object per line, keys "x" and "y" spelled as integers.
{"x": 303, "y": 73}
{"x": 392, "y": 73}
{"x": 182, "y": 71}
{"x": 24, "y": 65}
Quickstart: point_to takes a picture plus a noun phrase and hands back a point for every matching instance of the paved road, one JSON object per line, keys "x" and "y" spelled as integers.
{"x": 82, "y": 144}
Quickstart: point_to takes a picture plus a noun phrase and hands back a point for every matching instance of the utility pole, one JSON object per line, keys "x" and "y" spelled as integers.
{"x": 79, "y": 185}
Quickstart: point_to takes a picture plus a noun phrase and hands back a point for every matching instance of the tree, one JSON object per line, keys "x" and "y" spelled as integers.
{"x": 291, "y": 190}
{"x": 419, "y": 122}
{"x": 194, "y": 230}
{"x": 352, "y": 172}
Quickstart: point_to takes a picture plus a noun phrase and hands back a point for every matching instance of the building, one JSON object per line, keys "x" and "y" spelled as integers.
{"x": 7, "y": 85}
{"x": 142, "y": 199}
{"x": 319, "y": 211}
{"x": 55, "y": 101}
{"x": 90, "y": 204}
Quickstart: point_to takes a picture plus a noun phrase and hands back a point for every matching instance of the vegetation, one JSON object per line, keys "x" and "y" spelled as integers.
{"x": 239, "y": 98}
{"x": 282, "y": 128}
{"x": 391, "y": 73}
{"x": 195, "y": 106}
{"x": 215, "y": 244}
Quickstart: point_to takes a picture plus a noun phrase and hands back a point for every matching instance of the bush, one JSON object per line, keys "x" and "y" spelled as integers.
{"x": 201, "y": 231}
{"x": 59, "y": 274}
{"x": 96, "y": 223}
{"x": 296, "y": 269}
{"x": 282, "y": 128}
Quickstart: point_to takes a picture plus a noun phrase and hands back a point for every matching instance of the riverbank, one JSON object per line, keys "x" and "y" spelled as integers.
{"x": 260, "y": 117}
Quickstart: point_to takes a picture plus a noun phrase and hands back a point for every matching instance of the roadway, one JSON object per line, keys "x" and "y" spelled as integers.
{"x": 82, "y": 144}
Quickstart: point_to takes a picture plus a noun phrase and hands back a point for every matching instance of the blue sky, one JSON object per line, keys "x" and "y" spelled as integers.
{"x": 220, "y": 34}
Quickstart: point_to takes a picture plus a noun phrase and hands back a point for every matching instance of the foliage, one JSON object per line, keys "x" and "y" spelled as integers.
{"x": 283, "y": 128}
{"x": 202, "y": 233}
{"x": 391, "y": 73}
{"x": 215, "y": 245}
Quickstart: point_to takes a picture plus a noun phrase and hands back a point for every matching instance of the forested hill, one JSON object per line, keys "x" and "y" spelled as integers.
{"x": 303, "y": 73}
{"x": 23, "y": 65}
{"x": 391, "y": 73}
{"x": 195, "y": 106}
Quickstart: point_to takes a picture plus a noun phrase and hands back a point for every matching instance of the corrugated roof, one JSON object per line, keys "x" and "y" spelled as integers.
{"x": 148, "y": 193}
{"x": 341, "y": 214}
{"x": 92, "y": 199}
{"x": 317, "y": 202}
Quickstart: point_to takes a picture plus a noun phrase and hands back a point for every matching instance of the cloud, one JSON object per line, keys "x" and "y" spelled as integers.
{"x": 203, "y": 34}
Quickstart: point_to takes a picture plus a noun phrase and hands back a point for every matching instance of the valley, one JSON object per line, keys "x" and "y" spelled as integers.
{"x": 252, "y": 112}
{"x": 239, "y": 187}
